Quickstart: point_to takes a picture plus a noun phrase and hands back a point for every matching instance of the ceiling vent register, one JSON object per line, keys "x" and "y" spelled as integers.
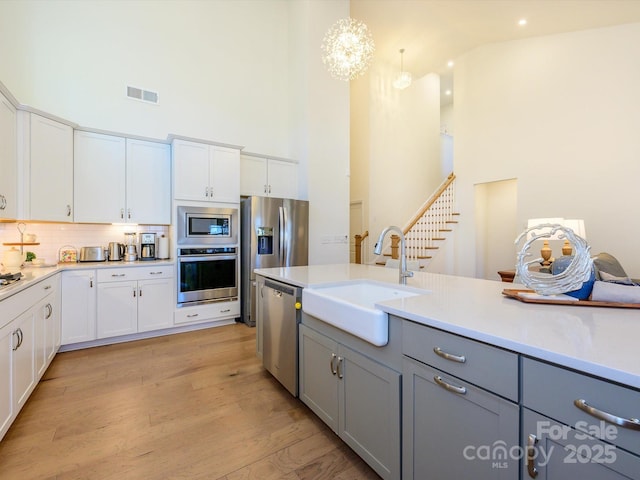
{"x": 142, "y": 95}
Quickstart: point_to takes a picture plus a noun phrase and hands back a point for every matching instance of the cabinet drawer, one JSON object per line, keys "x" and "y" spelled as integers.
{"x": 14, "y": 305}
{"x": 552, "y": 391}
{"x": 134, "y": 273}
{"x": 203, "y": 313}
{"x": 483, "y": 365}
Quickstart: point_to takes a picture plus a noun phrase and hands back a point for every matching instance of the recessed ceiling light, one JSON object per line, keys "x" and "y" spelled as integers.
{"x": 448, "y": 92}
{"x": 450, "y": 63}
{"x": 522, "y": 22}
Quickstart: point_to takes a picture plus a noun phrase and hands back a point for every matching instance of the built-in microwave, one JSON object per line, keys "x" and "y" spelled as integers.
{"x": 207, "y": 226}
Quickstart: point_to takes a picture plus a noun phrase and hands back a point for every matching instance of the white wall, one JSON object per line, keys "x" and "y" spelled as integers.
{"x": 243, "y": 72}
{"x": 320, "y": 130}
{"x": 495, "y": 226}
{"x": 559, "y": 114}
{"x": 220, "y": 67}
{"x": 398, "y": 148}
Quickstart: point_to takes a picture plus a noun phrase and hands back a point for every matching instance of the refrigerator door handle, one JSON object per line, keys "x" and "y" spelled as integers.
{"x": 281, "y": 234}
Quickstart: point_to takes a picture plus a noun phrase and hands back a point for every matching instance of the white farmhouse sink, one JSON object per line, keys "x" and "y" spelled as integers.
{"x": 351, "y": 307}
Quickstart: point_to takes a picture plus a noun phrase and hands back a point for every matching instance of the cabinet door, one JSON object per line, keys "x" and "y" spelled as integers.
{"x": 8, "y": 160}
{"x": 253, "y": 176}
{"x": 319, "y": 375}
{"x": 6, "y": 390}
{"x": 23, "y": 346}
{"x": 449, "y": 427}
{"x": 43, "y": 312}
{"x": 148, "y": 182}
{"x": 190, "y": 170}
{"x": 370, "y": 411}
{"x": 78, "y": 306}
{"x": 155, "y": 304}
{"x": 99, "y": 178}
{"x": 553, "y": 450}
{"x": 50, "y": 170}
{"x": 52, "y": 326}
{"x": 225, "y": 175}
{"x": 283, "y": 179}
{"x": 117, "y": 309}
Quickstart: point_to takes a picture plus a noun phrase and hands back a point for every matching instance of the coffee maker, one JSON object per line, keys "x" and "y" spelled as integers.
{"x": 147, "y": 246}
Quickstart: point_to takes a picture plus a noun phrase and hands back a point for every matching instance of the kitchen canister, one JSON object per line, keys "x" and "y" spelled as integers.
{"x": 68, "y": 254}
{"x": 163, "y": 247}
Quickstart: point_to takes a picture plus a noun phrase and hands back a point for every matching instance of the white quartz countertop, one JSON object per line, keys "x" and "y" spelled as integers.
{"x": 31, "y": 275}
{"x": 596, "y": 340}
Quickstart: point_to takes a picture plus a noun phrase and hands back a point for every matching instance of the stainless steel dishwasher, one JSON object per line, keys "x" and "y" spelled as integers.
{"x": 279, "y": 312}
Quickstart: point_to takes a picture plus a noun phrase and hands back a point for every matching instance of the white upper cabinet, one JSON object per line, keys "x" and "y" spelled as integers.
{"x": 268, "y": 177}
{"x": 121, "y": 180}
{"x": 204, "y": 172}
{"x": 48, "y": 159}
{"x": 99, "y": 178}
{"x": 8, "y": 160}
{"x": 148, "y": 182}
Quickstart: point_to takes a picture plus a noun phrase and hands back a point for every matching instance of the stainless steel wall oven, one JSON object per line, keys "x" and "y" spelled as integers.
{"x": 207, "y": 275}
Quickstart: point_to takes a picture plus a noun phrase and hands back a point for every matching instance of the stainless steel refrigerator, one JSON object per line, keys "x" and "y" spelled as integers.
{"x": 274, "y": 233}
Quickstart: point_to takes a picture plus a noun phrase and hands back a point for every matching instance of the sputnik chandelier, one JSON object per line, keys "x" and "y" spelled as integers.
{"x": 347, "y": 49}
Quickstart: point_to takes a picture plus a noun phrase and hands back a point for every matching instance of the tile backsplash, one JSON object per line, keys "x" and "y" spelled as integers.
{"x": 52, "y": 236}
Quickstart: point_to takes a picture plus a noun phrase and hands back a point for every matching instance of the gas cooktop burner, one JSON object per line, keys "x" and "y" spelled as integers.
{"x": 7, "y": 278}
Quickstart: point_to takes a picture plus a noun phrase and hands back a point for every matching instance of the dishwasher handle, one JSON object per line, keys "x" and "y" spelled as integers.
{"x": 283, "y": 287}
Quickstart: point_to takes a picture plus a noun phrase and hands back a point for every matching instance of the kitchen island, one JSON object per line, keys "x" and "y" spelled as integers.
{"x": 595, "y": 340}
{"x": 479, "y": 370}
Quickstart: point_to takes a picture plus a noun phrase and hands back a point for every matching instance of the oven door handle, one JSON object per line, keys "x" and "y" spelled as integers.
{"x": 205, "y": 258}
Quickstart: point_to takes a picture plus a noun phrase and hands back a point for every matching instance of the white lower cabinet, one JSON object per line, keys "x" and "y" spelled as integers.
{"x": 28, "y": 342}
{"x": 78, "y": 306}
{"x": 222, "y": 311}
{"x": 6, "y": 387}
{"x": 132, "y": 300}
{"x": 47, "y": 325}
{"x": 356, "y": 396}
{"x": 155, "y": 303}
{"x": 117, "y": 308}
{"x": 23, "y": 361}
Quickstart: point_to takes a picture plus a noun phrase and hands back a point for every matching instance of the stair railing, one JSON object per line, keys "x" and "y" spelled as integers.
{"x": 429, "y": 223}
{"x": 358, "y": 245}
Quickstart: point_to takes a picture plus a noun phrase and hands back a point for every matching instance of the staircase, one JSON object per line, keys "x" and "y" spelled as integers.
{"x": 426, "y": 231}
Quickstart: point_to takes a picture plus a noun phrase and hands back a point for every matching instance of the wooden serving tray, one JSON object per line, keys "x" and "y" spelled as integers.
{"x": 513, "y": 293}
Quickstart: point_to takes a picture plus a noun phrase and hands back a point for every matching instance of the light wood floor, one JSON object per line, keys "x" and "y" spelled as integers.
{"x": 196, "y": 405}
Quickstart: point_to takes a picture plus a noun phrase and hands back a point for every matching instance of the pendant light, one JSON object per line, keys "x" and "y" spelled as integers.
{"x": 403, "y": 80}
{"x": 348, "y": 49}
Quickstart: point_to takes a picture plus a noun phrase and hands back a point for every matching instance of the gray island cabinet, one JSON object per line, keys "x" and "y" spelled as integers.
{"x": 491, "y": 388}
{"x": 460, "y": 407}
{"x": 354, "y": 387}
{"x": 577, "y": 426}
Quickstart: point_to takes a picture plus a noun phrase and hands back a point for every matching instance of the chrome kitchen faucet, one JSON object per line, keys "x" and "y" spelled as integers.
{"x": 403, "y": 273}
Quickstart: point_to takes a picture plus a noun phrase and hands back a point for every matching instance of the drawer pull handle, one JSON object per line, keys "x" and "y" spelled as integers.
{"x": 531, "y": 455}
{"x": 449, "y": 356}
{"x": 447, "y": 386}
{"x": 155, "y": 273}
{"x": 118, "y": 274}
{"x": 192, "y": 315}
{"x": 48, "y": 287}
{"x": 334, "y": 370}
{"x": 630, "y": 423}
{"x": 226, "y": 310}
{"x": 338, "y": 369}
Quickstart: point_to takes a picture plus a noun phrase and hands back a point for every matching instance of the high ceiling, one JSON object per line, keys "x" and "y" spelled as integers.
{"x": 432, "y": 32}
